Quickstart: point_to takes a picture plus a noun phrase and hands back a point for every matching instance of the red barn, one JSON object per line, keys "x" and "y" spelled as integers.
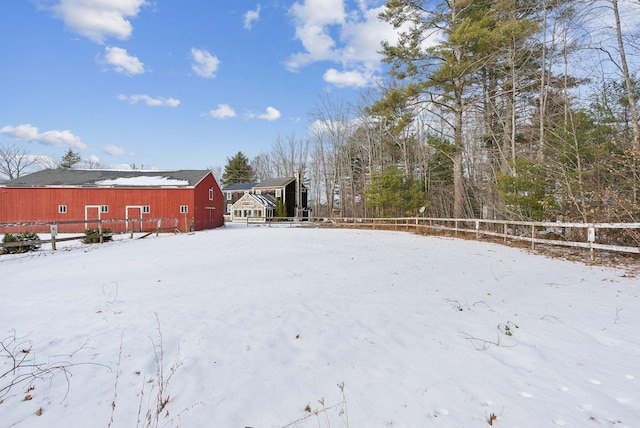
{"x": 193, "y": 197}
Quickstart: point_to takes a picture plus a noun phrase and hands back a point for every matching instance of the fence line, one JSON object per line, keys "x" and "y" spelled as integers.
{"x": 101, "y": 226}
{"x": 615, "y": 237}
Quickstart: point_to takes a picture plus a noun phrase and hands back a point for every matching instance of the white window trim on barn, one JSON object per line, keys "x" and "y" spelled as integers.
{"x": 99, "y": 211}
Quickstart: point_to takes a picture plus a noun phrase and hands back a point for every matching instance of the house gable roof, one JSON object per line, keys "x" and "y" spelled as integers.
{"x": 239, "y": 186}
{"x": 274, "y": 182}
{"x": 108, "y": 178}
{"x": 263, "y": 200}
{"x": 266, "y": 201}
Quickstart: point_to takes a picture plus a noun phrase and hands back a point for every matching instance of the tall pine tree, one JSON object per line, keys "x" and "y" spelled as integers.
{"x": 69, "y": 160}
{"x": 237, "y": 171}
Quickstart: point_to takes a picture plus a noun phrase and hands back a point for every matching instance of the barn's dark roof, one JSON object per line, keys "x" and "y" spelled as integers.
{"x": 108, "y": 178}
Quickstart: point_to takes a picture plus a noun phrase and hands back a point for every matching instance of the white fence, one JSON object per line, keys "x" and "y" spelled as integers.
{"x": 614, "y": 237}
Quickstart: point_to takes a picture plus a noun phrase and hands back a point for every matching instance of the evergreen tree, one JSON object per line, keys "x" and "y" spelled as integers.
{"x": 237, "y": 171}
{"x": 281, "y": 208}
{"x": 70, "y": 159}
{"x": 440, "y": 74}
{"x": 391, "y": 194}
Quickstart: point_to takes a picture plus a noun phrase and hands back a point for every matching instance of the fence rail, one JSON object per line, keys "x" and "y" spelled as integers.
{"x": 103, "y": 228}
{"x": 614, "y": 237}
{"x": 611, "y": 237}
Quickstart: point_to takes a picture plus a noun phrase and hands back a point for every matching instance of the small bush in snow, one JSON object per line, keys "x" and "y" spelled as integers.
{"x": 28, "y": 238}
{"x": 92, "y": 236}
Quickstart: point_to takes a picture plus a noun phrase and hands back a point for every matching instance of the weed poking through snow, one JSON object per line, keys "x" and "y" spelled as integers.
{"x": 325, "y": 414}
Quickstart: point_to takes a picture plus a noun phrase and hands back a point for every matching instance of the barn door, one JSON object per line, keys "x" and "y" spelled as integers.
{"x": 91, "y": 215}
{"x": 211, "y": 216}
{"x": 134, "y": 219}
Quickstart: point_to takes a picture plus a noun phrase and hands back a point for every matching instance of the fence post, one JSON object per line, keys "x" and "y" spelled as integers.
{"x": 477, "y": 229}
{"x": 54, "y": 232}
{"x": 533, "y": 237}
{"x": 100, "y": 231}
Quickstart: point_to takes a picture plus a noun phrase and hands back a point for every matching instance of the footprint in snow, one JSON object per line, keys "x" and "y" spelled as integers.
{"x": 559, "y": 422}
{"x": 440, "y": 412}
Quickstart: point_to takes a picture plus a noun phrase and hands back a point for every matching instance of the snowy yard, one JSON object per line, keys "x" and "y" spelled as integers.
{"x": 257, "y": 327}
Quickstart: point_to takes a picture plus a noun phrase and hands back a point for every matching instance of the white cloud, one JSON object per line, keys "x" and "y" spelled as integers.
{"x": 250, "y": 17}
{"x": 204, "y": 64}
{"x": 122, "y": 62}
{"x": 351, "y": 38}
{"x": 313, "y": 20}
{"x": 269, "y": 115}
{"x": 344, "y": 79}
{"x": 222, "y": 112}
{"x": 29, "y": 132}
{"x": 99, "y": 19}
{"x": 150, "y": 101}
{"x": 113, "y": 150}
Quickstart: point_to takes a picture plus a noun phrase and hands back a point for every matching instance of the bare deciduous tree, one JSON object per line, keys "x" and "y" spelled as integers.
{"x": 14, "y": 159}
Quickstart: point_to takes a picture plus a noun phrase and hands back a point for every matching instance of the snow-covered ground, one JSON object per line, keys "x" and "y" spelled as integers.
{"x": 254, "y": 326}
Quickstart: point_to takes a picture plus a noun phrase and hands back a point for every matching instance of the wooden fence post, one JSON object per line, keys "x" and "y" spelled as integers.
{"x": 591, "y": 237}
{"x": 533, "y": 237}
{"x": 54, "y": 232}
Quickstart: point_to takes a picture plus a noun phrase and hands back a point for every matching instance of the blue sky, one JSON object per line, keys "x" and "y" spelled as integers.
{"x": 177, "y": 84}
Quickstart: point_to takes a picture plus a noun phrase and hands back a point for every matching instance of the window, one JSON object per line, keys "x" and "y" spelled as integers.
{"x": 62, "y": 209}
{"x": 184, "y": 209}
{"x": 228, "y": 196}
{"x": 229, "y": 207}
{"x": 258, "y": 192}
{"x": 146, "y": 209}
{"x": 104, "y": 208}
{"x": 211, "y": 193}
{"x": 278, "y": 193}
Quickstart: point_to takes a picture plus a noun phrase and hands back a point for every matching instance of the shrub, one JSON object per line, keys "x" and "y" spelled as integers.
{"x": 21, "y": 237}
{"x": 92, "y": 236}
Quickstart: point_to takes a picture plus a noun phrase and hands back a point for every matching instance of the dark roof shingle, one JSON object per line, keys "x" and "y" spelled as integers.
{"x": 108, "y": 178}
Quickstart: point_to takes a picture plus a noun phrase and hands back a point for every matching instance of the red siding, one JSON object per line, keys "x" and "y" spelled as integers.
{"x": 41, "y": 204}
{"x": 208, "y": 204}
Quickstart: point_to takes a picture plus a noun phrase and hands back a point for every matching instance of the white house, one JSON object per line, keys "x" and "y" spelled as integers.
{"x": 253, "y": 208}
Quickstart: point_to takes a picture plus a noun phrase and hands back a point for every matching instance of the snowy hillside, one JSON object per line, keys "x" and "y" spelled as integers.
{"x": 262, "y": 327}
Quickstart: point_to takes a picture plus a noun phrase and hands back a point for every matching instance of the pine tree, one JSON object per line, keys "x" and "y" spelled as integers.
{"x": 69, "y": 160}
{"x": 237, "y": 171}
{"x": 442, "y": 73}
{"x": 281, "y": 208}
